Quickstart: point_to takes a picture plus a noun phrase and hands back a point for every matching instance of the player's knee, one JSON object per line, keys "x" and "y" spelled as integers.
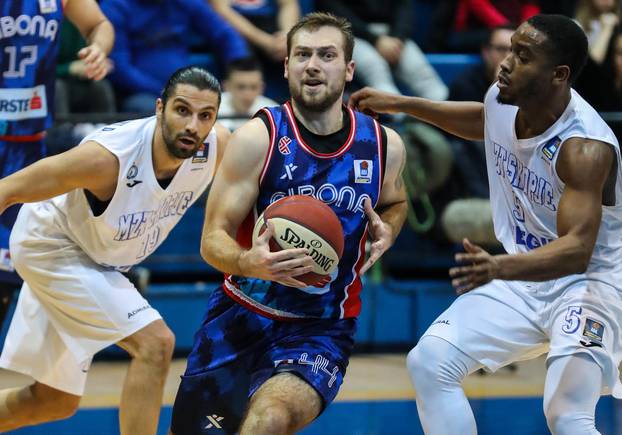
{"x": 564, "y": 422}
{"x": 422, "y": 364}
{"x": 156, "y": 346}
{"x": 272, "y": 417}
{"x": 52, "y": 404}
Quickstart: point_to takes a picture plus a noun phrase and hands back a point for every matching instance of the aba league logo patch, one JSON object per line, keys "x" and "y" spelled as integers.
{"x": 551, "y": 147}
{"x": 363, "y": 169}
{"x": 284, "y": 145}
{"x": 47, "y": 6}
{"x": 201, "y": 155}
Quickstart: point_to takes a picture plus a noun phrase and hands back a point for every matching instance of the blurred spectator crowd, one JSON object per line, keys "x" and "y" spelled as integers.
{"x": 397, "y": 45}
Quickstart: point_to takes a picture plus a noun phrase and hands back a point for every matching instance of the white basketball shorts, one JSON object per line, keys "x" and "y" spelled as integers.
{"x": 69, "y": 307}
{"x": 506, "y": 321}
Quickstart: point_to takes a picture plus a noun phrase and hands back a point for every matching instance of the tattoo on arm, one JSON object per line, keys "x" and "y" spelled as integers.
{"x": 399, "y": 180}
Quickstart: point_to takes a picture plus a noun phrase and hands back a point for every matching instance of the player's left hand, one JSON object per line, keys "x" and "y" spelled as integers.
{"x": 481, "y": 268}
{"x": 94, "y": 58}
{"x": 381, "y": 236}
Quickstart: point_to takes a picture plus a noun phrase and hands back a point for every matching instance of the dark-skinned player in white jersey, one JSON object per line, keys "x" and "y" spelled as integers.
{"x": 556, "y": 192}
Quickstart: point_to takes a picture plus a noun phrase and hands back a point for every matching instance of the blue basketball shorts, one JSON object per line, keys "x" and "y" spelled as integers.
{"x": 13, "y": 157}
{"x": 236, "y": 350}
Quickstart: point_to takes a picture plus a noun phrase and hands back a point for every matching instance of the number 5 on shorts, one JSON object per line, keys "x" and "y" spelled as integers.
{"x": 573, "y": 319}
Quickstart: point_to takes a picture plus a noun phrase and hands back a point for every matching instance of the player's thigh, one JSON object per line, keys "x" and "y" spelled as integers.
{"x": 211, "y": 402}
{"x": 288, "y": 391}
{"x": 587, "y": 319}
{"x": 495, "y": 324}
{"x": 91, "y": 307}
{"x": 34, "y": 347}
{"x": 214, "y": 388}
{"x": 307, "y": 358}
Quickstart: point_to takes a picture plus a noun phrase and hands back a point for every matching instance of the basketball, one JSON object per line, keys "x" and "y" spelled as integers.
{"x": 304, "y": 222}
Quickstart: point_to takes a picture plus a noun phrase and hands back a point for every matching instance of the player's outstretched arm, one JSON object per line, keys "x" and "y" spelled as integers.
{"x": 98, "y": 32}
{"x": 231, "y": 199}
{"x": 386, "y": 221}
{"x": 89, "y": 166}
{"x": 461, "y": 118}
{"x": 585, "y": 167}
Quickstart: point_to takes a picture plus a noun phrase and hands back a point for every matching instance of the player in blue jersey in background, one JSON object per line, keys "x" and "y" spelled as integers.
{"x": 271, "y": 352}
{"x": 29, "y": 41}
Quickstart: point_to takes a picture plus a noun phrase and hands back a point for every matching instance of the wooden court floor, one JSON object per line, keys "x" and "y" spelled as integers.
{"x": 374, "y": 377}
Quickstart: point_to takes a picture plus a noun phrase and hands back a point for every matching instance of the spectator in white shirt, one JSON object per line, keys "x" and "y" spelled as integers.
{"x": 243, "y": 86}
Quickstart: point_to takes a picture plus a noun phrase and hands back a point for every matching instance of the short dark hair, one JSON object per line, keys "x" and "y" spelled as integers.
{"x": 566, "y": 43}
{"x": 243, "y": 64}
{"x": 315, "y": 20}
{"x": 195, "y": 76}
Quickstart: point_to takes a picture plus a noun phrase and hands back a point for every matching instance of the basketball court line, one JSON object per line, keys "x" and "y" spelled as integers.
{"x": 377, "y": 377}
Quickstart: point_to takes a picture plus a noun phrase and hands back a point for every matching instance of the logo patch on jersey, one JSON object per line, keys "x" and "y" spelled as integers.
{"x": 23, "y": 103}
{"x": 284, "y": 145}
{"x": 214, "y": 421}
{"x": 593, "y": 330}
{"x": 47, "y": 6}
{"x": 363, "y": 170}
{"x": 131, "y": 175}
{"x": 551, "y": 147}
{"x": 201, "y": 155}
{"x": 289, "y": 171}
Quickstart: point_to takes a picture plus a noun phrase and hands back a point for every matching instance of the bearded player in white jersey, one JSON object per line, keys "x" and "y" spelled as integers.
{"x": 94, "y": 211}
{"x": 556, "y": 191}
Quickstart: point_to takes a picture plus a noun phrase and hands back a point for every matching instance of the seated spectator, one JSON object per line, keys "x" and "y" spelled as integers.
{"x": 383, "y": 46}
{"x": 601, "y": 85}
{"x": 598, "y": 18}
{"x": 468, "y": 213}
{"x": 472, "y": 84}
{"x": 75, "y": 93}
{"x": 152, "y": 42}
{"x": 242, "y": 96}
{"x": 264, "y": 24}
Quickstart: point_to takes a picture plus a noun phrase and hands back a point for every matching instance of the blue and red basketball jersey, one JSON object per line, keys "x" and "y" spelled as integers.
{"x": 29, "y": 41}
{"x": 343, "y": 180}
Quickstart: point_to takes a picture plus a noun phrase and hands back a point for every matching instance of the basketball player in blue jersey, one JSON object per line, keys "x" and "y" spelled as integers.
{"x": 29, "y": 41}
{"x": 271, "y": 353}
{"x": 555, "y": 178}
{"x": 92, "y": 213}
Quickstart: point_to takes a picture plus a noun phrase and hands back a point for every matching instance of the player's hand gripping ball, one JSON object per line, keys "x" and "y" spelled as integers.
{"x": 304, "y": 222}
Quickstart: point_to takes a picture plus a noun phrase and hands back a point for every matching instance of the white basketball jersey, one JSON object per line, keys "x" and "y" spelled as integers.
{"x": 141, "y": 213}
{"x": 524, "y": 186}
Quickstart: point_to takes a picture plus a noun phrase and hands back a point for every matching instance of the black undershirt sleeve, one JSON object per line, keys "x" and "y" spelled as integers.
{"x": 383, "y": 145}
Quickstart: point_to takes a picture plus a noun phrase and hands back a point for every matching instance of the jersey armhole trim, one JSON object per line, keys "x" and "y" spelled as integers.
{"x": 272, "y": 131}
{"x": 381, "y": 138}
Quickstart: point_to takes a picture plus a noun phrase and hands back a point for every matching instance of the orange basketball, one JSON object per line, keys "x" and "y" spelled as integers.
{"x": 304, "y": 222}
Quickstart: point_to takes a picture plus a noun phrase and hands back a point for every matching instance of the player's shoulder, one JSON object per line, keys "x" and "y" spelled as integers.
{"x": 123, "y": 137}
{"x": 221, "y": 132}
{"x": 491, "y": 94}
{"x": 134, "y": 127}
{"x": 253, "y": 136}
{"x": 394, "y": 140}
